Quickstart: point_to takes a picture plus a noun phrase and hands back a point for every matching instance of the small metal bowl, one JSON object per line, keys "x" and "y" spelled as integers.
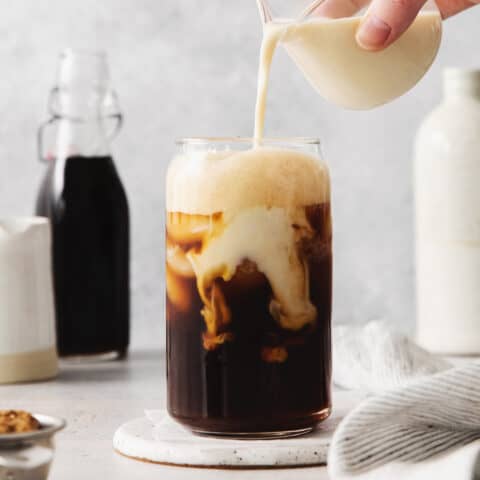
{"x": 28, "y": 455}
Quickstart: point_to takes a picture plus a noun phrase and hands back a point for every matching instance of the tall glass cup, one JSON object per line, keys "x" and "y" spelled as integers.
{"x": 249, "y": 286}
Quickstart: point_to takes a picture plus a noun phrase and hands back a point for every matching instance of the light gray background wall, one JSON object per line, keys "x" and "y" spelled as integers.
{"x": 183, "y": 68}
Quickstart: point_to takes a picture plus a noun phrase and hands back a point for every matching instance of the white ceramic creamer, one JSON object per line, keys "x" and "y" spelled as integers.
{"x": 27, "y": 321}
{"x": 447, "y": 190}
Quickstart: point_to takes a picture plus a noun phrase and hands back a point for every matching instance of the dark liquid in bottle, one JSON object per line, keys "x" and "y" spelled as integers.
{"x": 88, "y": 209}
{"x": 263, "y": 378}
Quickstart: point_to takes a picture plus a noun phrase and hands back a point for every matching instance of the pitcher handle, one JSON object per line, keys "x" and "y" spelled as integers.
{"x": 311, "y": 8}
{"x": 265, "y": 13}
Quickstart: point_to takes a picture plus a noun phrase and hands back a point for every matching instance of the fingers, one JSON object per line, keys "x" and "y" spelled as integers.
{"x": 385, "y": 21}
{"x": 452, "y": 7}
{"x": 339, "y": 8}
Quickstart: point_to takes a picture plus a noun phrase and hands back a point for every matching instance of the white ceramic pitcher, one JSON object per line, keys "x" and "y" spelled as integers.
{"x": 27, "y": 321}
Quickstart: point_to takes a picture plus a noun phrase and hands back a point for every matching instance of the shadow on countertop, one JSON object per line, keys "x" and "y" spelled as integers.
{"x": 139, "y": 363}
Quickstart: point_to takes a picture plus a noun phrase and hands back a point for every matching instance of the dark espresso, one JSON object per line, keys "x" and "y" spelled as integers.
{"x": 250, "y": 375}
{"x": 87, "y": 205}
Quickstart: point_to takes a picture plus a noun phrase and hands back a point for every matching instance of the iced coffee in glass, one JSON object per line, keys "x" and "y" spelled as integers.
{"x": 249, "y": 286}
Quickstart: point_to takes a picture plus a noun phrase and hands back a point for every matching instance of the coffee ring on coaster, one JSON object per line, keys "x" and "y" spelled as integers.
{"x": 162, "y": 440}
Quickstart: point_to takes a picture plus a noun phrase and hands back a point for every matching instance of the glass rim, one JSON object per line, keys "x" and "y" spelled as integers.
{"x": 293, "y": 141}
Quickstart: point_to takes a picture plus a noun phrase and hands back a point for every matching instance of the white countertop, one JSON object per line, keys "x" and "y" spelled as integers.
{"x": 97, "y": 398}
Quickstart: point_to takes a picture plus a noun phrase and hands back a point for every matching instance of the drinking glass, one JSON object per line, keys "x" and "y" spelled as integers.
{"x": 249, "y": 286}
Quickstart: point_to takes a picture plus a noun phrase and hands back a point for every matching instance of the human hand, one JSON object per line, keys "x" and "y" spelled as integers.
{"x": 386, "y": 20}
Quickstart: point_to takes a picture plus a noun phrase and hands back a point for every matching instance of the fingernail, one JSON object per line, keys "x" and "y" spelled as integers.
{"x": 373, "y": 33}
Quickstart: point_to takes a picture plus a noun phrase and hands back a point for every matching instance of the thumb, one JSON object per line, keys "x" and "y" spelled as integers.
{"x": 385, "y": 21}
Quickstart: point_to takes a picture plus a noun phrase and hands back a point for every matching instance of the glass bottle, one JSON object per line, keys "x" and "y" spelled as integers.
{"x": 84, "y": 199}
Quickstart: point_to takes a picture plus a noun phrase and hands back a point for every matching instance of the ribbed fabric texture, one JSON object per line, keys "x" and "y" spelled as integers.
{"x": 409, "y": 424}
{"x": 375, "y": 358}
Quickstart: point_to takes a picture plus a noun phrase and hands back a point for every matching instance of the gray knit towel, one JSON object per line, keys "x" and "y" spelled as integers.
{"x": 375, "y": 358}
{"x": 409, "y": 425}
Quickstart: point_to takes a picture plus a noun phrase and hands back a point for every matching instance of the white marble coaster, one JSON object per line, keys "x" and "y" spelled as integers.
{"x": 157, "y": 438}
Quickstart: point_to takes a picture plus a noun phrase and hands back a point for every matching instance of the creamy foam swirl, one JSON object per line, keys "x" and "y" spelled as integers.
{"x": 261, "y": 195}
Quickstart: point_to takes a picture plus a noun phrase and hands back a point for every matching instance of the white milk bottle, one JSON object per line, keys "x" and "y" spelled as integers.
{"x": 447, "y": 188}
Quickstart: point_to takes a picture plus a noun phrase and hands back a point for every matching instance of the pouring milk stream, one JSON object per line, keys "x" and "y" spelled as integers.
{"x": 326, "y": 51}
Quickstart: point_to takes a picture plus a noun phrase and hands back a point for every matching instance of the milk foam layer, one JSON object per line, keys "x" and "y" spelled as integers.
{"x": 204, "y": 183}
{"x": 262, "y": 195}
